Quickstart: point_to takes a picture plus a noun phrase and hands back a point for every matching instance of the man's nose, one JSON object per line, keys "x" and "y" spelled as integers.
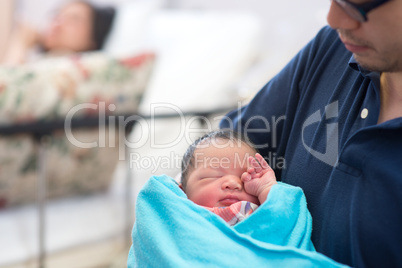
{"x": 231, "y": 182}
{"x": 337, "y": 18}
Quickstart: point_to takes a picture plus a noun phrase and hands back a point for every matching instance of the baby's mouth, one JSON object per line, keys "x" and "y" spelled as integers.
{"x": 229, "y": 200}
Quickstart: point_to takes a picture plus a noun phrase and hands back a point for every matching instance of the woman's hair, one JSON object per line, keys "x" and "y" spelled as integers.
{"x": 187, "y": 163}
{"x": 102, "y": 22}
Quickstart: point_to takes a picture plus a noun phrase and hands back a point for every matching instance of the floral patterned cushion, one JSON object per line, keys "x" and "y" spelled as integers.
{"x": 46, "y": 91}
{"x": 49, "y": 88}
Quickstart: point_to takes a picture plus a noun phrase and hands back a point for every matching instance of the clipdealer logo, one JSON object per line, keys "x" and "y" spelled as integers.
{"x": 330, "y": 156}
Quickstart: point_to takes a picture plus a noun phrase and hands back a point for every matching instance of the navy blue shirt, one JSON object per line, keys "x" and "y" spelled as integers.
{"x": 316, "y": 124}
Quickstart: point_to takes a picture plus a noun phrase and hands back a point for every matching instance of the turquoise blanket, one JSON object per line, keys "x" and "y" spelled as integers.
{"x": 172, "y": 231}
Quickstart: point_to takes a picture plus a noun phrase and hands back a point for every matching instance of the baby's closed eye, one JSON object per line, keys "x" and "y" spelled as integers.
{"x": 210, "y": 177}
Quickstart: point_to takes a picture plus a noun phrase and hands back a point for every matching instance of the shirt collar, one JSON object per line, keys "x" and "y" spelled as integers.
{"x": 374, "y": 76}
{"x": 353, "y": 63}
{"x": 355, "y": 66}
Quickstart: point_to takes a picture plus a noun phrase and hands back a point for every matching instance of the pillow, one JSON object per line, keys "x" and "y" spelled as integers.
{"x": 201, "y": 57}
{"x": 130, "y": 27}
{"x": 47, "y": 89}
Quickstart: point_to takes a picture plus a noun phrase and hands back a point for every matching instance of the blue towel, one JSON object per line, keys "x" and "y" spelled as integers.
{"x": 172, "y": 231}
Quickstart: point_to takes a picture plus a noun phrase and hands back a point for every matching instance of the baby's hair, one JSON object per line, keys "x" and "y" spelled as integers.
{"x": 187, "y": 163}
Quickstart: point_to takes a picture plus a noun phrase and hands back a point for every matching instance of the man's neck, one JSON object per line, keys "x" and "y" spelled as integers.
{"x": 391, "y": 96}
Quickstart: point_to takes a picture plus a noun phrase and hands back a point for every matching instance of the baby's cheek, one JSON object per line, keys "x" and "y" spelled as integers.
{"x": 203, "y": 199}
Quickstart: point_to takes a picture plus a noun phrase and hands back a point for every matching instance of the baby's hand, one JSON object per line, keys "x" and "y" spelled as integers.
{"x": 259, "y": 178}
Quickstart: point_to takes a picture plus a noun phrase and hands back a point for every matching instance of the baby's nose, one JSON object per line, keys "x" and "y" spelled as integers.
{"x": 232, "y": 183}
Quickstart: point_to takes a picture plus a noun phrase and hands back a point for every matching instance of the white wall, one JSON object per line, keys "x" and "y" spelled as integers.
{"x": 287, "y": 26}
{"x": 288, "y": 23}
{"x": 38, "y": 12}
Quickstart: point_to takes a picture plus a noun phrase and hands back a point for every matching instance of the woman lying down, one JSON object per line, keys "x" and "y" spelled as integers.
{"x": 228, "y": 211}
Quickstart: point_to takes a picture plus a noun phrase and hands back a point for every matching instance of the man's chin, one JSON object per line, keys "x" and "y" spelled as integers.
{"x": 375, "y": 66}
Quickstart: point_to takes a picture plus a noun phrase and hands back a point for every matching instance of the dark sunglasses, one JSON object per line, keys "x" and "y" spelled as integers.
{"x": 359, "y": 11}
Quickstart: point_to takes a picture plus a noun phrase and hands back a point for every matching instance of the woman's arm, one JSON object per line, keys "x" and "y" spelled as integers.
{"x": 16, "y": 38}
{"x": 22, "y": 40}
{"x": 6, "y": 22}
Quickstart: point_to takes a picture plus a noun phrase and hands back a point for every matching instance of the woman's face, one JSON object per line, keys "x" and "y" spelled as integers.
{"x": 70, "y": 29}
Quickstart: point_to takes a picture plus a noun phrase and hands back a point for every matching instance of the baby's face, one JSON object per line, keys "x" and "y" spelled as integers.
{"x": 215, "y": 180}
